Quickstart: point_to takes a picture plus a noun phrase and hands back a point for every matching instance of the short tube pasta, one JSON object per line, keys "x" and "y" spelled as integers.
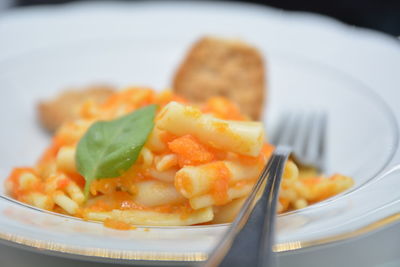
{"x": 40, "y": 200}
{"x": 147, "y": 157}
{"x": 66, "y": 159}
{"x": 27, "y": 180}
{"x": 65, "y": 202}
{"x": 75, "y": 192}
{"x": 154, "y": 142}
{"x": 208, "y": 199}
{"x": 193, "y": 164}
{"x": 143, "y": 217}
{"x": 237, "y": 136}
{"x": 165, "y": 176}
{"x": 193, "y": 181}
{"x": 228, "y": 212}
{"x": 166, "y": 162}
{"x": 155, "y": 193}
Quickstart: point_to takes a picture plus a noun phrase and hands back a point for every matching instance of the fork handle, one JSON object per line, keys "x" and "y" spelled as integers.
{"x": 251, "y": 236}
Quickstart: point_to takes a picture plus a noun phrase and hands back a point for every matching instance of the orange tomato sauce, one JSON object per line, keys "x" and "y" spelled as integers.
{"x": 117, "y": 193}
{"x": 190, "y": 151}
{"x": 118, "y": 225}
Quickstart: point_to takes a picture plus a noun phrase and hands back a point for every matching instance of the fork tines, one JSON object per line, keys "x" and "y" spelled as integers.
{"x": 305, "y": 133}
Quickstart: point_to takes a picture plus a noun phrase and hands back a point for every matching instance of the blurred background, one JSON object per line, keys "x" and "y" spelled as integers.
{"x": 382, "y": 15}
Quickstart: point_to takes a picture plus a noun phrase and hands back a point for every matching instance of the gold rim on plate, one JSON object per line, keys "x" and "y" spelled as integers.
{"x": 192, "y": 256}
{"x": 295, "y": 245}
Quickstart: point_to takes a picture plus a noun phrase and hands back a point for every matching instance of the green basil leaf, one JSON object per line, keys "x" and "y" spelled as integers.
{"x": 109, "y": 148}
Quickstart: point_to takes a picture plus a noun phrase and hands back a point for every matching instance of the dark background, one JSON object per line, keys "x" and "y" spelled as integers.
{"x": 383, "y": 15}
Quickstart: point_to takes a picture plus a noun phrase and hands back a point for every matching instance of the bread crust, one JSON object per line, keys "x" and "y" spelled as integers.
{"x": 229, "y": 68}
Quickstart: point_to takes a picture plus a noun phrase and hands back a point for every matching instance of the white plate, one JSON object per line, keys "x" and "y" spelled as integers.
{"x": 312, "y": 63}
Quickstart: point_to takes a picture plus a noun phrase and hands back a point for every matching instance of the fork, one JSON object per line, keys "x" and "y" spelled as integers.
{"x": 249, "y": 240}
{"x": 305, "y": 134}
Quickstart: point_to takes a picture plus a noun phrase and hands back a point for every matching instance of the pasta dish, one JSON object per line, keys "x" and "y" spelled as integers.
{"x": 148, "y": 158}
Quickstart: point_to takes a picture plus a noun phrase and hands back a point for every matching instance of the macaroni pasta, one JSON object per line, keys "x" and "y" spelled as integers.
{"x": 198, "y": 165}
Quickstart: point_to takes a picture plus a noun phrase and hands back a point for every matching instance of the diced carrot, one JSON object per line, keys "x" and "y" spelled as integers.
{"x": 190, "y": 151}
{"x": 62, "y": 183}
{"x": 77, "y": 178}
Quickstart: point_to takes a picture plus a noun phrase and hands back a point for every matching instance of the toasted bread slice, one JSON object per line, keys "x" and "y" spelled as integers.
{"x": 217, "y": 67}
{"x": 64, "y": 107}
